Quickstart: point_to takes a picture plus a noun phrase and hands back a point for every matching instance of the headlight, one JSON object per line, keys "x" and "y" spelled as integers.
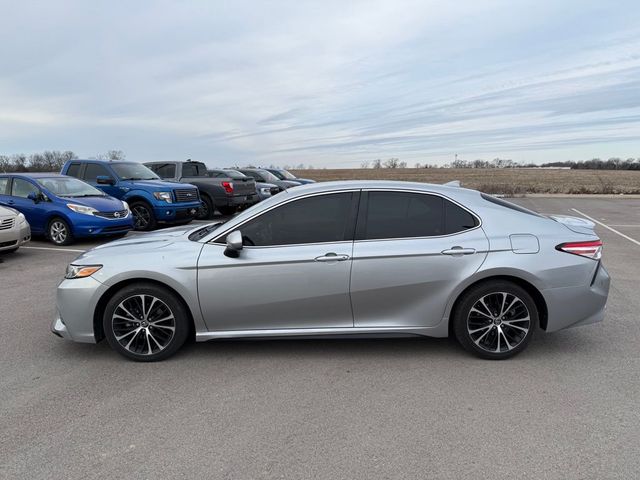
{"x": 20, "y": 219}
{"x": 265, "y": 191}
{"x": 126, "y": 208}
{"x": 81, "y": 209}
{"x": 166, "y": 196}
{"x": 81, "y": 271}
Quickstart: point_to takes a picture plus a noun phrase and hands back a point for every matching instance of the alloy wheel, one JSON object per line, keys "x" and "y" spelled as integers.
{"x": 142, "y": 217}
{"x": 143, "y": 324}
{"x": 498, "y": 322}
{"x": 58, "y": 232}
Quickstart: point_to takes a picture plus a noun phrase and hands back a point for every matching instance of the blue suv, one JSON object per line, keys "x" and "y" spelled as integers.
{"x": 63, "y": 208}
{"x": 151, "y": 199}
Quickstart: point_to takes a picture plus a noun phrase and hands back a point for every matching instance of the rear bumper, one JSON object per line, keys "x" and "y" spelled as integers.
{"x": 575, "y": 306}
{"x": 240, "y": 200}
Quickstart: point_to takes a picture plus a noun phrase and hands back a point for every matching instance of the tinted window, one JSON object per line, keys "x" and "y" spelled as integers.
{"x": 165, "y": 170}
{"x": 22, "y": 188}
{"x": 3, "y": 185}
{"x": 93, "y": 171}
{"x": 193, "y": 170}
{"x": 133, "y": 171}
{"x": 233, "y": 174}
{"x": 323, "y": 218}
{"x": 401, "y": 215}
{"x": 457, "y": 219}
{"x": 74, "y": 170}
{"x": 255, "y": 175}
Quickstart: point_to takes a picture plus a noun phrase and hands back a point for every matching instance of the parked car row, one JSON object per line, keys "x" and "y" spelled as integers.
{"x": 91, "y": 198}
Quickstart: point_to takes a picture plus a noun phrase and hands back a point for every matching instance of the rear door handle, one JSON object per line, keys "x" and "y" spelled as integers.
{"x": 459, "y": 251}
{"x": 331, "y": 257}
{"x": 11, "y": 202}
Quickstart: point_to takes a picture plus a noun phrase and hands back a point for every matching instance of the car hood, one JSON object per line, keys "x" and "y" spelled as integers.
{"x": 8, "y": 212}
{"x": 155, "y": 185}
{"x": 101, "y": 204}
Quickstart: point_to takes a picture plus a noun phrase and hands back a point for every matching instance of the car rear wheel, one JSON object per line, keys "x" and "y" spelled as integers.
{"x": 227, "y": 210}
{"x": 143, "y": 216}
{"x": 495, "y": 320}
{"x": 206, "y": 209}
{"x": 59, "y": 232}
{"x": 146, "y": 322}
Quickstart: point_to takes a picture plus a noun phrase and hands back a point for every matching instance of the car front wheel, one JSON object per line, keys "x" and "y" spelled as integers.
{"x": 59, "y": 232}
{"x": 495, "y": 320}
{"x": 145, "y": 322}
{"x": 143, "y": 216}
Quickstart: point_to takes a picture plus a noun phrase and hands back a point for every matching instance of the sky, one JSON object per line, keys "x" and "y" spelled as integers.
{"x": 324, "y": 83}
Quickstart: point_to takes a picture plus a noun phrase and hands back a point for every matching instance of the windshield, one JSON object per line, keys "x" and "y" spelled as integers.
{"x": 234, "y": 174}
{"x": 268, "y": 176}
{"x": 287, "y": 175}
{"x": 69, "y": 187}
{"x": 133, "y": 171}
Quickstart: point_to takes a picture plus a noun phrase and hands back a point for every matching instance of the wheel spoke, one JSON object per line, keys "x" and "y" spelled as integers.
{"x": 147, "y": 306}
{"x": 480, "y": 329}
{"x": 498, "y": 333}
{"x": 475, "y": 310}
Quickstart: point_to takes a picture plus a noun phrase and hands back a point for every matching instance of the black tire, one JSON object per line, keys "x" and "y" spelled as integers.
{"x": 143, "y": 216}
{"x": 227, "y": 210}
{"x": 130, "y": 332}
{"x": 501, "y": 330}
{"x": 59, "y": 233}
{"x": 206, "y": 211}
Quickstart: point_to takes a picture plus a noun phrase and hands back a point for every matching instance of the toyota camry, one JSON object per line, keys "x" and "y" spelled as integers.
{"x": 343, "y": 258}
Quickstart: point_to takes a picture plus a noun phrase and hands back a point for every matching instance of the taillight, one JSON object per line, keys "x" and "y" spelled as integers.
{"x": 228, "y": 187}
{"x": 590, "y": 249}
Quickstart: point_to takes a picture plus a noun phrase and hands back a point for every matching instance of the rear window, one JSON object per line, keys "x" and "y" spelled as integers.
{"x": 165, "y": 170}
{"x": 74, "y": 170}
{"x": 505, "y": 204}
{"x": 192, "y": 169}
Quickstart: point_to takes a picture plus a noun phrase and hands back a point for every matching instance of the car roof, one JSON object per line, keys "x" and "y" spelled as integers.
{"x": 382, "y": 184}
{"x": 34, "y": 174}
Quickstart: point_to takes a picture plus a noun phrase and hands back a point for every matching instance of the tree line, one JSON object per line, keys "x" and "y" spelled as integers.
{"x": 613, "y": 163}
{"x": 48, "y": 161}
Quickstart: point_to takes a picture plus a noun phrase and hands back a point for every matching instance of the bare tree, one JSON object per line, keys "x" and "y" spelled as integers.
{"x": 365, "y": 164}
{"x": 377, "y": 163}
{"x": 394, "y": 163}
{"x": 111, "y": 155}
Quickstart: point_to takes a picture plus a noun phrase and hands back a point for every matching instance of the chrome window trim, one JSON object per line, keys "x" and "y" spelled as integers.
{"x": 377, "y": 189}
{"x": 315, "y": 194}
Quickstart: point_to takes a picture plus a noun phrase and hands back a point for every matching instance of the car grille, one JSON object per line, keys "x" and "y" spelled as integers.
{"x": 7, "y": 223}
{"x": 112, "y": 215}
{"x": 186, "y": 195}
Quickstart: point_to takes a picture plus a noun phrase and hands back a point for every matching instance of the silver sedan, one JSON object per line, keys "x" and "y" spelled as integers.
{"x": 343, "y": 258}
{"x": 14, "y": 230}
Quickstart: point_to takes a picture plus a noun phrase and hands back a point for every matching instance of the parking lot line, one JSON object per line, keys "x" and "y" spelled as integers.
{"x": 607, "y": 227}
{"x": 55, "y": 249}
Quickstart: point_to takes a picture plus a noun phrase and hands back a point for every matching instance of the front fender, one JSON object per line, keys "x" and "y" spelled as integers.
{"x": 136, "y": 194}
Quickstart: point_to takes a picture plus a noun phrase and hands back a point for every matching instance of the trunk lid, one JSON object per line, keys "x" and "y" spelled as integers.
{"x": 575, "y": 224}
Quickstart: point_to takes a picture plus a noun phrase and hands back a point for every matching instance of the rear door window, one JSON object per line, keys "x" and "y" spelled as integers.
{"x": 166, "y": 170}
{"x": 457, "y": 219}
{"x": 400, "y": 215}
{"x": 74, "y": 170}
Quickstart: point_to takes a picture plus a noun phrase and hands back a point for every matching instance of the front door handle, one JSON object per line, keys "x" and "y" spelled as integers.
{"x": 331, "y": 257}
{"x": 459, "y": 251}
{"x": 11, "y": 202}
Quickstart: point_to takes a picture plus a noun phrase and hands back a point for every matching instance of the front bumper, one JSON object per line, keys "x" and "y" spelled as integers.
{"x": 15, "y": 237}
{"x": 575, "y": 306}
{"x": 176, "y": 212}
{"x": 75, "y": 306}
{"x": 99, "y": 227}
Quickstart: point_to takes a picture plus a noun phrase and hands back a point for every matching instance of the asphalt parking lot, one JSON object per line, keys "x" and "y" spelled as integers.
{"x": 354, "y": 409}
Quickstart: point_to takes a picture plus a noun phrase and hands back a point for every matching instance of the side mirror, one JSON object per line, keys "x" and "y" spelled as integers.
{"x": 234, "y": 244}
{"x": 35, "y": 197}
{"x": 105, "y": 180}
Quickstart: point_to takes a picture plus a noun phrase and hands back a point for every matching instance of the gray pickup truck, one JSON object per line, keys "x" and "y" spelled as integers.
{"x": 226, "y": 195}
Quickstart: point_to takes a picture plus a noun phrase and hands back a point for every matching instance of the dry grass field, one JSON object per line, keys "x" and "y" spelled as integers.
{"x": 512, "y": 181}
